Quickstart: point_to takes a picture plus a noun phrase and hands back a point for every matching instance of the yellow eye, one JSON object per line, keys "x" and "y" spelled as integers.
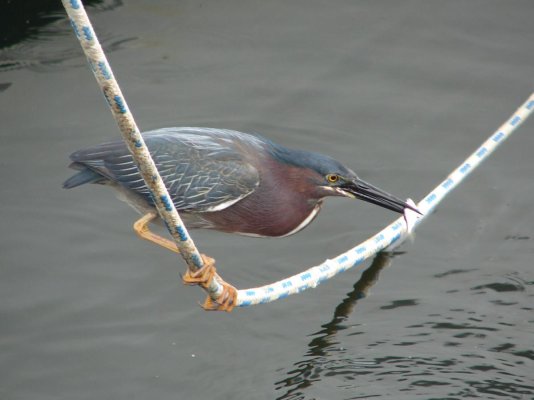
{"x": 332, "y": 178}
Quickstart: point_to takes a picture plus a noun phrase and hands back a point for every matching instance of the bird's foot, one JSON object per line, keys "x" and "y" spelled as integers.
{"x": 202, "y": 276}
{"x": 226, "y": 300}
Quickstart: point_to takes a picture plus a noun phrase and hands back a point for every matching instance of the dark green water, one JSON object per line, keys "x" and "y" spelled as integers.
{"x": 401, "y": 92}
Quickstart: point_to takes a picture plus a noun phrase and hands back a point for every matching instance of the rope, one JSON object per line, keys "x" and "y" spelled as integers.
{"x": 133, "y": 139}
{"x": 389, "y": 237}
{"x": 392, "y": 235}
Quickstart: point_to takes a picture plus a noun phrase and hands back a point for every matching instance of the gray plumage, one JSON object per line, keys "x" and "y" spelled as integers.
{"x": 201, "y": 167}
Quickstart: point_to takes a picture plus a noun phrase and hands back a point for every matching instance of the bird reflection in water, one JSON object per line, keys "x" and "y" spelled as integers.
{"x": 324, "y": 349}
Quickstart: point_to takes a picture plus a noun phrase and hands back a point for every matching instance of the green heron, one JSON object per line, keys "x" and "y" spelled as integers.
{"x": 227, "y": 181}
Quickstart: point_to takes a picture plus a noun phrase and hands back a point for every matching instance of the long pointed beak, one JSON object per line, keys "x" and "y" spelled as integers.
{"x": 367, "y": 192}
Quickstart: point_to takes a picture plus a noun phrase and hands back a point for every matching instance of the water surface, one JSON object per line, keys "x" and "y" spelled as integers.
{"x": 401, "y": 92}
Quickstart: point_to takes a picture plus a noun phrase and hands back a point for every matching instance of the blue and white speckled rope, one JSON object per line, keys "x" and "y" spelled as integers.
{"x": 392, "y": 235}
{"x": 133, "y": 139}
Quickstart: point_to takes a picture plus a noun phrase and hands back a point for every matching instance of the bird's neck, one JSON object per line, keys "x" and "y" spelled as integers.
{"x": 280, "y": 206}
{"x": 288, "y": 201}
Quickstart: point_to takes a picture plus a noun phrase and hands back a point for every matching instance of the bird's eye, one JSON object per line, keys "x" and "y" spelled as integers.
{"x": 332, "y": 178}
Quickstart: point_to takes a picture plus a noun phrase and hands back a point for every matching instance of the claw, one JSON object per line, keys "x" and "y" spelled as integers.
{"x": 225, "y": 302}
{"x": 202, "y": 277}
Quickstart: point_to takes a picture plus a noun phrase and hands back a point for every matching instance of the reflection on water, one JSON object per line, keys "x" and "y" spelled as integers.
{"x": 32, "y": 55}
{"x": 28, "y": 18}
{"x": 324, "y": 356}
{"x": 4, "y": 86}
{"x": 341, "y": 356}
{"x": 514, "y": 284}
{"x": 27, "y": 41}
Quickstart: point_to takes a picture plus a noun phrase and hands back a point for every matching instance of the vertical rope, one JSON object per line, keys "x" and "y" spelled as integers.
{"x": 133, "y": 138}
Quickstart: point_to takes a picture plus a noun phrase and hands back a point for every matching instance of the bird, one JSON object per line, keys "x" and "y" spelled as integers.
{"x": 227, "y": 181}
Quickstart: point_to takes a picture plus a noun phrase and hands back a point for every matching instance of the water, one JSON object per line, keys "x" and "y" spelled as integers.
{"x": 400, "y": 91}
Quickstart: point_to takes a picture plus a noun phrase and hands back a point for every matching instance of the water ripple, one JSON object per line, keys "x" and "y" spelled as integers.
{"x": 39, "y": 49}
{"x": 460, "y": 353}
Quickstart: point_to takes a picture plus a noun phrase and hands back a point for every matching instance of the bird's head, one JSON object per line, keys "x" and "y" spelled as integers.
{"x": 340, "y": 183}
{"x": 328, "y": 177}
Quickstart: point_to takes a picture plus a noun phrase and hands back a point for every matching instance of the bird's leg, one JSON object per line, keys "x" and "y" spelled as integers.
{"x": 226, "y": 300}
{"x": 202, "y": 277}
{"x": 143, "y": 231}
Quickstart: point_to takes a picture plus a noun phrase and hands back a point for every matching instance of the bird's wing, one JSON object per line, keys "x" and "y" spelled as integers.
{"x": 201, "y": 173}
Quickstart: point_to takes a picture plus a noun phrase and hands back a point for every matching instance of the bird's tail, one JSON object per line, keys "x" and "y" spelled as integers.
{"x": 85, "y": 175}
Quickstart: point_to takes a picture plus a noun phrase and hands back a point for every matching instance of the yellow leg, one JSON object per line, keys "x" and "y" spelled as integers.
{"x": 226, "y": 300}
{"x": 142, "y": 230}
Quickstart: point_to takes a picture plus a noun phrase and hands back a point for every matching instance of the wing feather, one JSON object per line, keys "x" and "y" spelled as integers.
{"x": 202, "y": 168}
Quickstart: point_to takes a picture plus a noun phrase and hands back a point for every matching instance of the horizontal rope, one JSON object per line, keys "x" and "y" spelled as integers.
{"x": 393, "y": 234}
